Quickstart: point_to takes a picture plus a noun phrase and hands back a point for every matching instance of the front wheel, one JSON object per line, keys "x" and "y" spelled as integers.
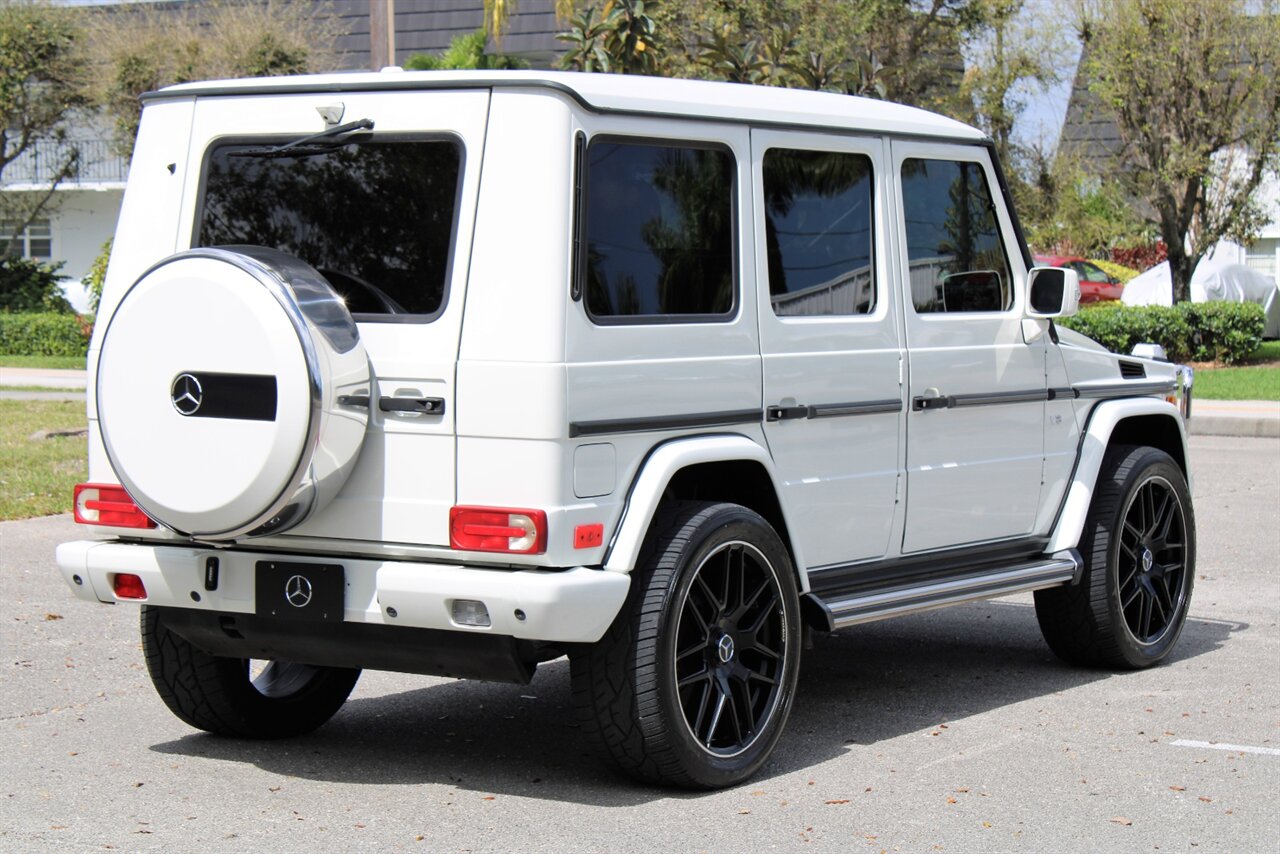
{"x": 692, "y": 684}
{"x": 229, "y": 696}
{"x": 1139, "y": 550}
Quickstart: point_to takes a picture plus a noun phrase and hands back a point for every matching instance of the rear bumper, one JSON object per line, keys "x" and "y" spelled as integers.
{"x": 566, "y": 606}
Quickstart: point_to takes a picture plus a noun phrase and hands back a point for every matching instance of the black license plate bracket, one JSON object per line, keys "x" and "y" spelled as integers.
{"x": 312, "y": 592}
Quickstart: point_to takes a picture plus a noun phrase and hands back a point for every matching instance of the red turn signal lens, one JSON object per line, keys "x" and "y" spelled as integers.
{"x": 108, "y": 504}
{"x": 498, "y": 529}
{"x": 127, "y": 586}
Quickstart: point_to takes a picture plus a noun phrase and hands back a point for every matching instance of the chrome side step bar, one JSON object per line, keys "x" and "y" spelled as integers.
{"x": 1062, "y": 568}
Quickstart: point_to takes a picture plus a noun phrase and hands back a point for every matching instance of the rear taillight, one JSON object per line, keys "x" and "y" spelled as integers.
{"x": 498, "y": 529}
{"x": 108, "y": 504}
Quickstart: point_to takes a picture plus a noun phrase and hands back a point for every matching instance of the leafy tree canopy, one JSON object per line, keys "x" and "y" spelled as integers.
{"x": 41, "y": 83}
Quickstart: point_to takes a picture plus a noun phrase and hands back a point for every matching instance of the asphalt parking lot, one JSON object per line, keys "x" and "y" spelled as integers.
{"x": 949, "y": 731}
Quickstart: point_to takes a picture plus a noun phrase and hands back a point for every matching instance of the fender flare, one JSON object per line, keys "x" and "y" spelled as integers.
{"x": 662, "y": 464}
{"x": 1093, "y": 446}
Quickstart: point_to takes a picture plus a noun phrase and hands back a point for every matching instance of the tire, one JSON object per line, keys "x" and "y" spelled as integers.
{"x": 692, "y": 684}
{"x": 217, "y": 695}
{"x": 1139, "y": 551}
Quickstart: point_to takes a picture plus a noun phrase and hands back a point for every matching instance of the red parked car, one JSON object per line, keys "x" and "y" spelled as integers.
{"x": 1096, "y": 285}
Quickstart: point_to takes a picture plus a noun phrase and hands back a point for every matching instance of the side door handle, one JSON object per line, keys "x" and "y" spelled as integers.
{"x": 787, "y": 413}
{"x": 932, "y": 399}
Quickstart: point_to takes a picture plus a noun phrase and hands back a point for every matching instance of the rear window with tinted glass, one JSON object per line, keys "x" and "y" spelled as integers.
{"x": 376, "y": 218}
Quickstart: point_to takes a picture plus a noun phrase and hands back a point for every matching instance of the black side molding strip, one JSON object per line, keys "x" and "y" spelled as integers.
{"x": 994, "y": 398}
{"x": 663, "y": 422}
{"x": 832, "y": 410}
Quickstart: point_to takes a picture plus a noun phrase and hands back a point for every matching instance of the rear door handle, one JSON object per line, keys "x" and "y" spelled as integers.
{"x": 932, "y": 401}
{"x": 428, "y": 405}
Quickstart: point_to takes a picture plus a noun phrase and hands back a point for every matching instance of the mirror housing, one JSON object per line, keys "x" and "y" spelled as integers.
{"x": 1052, "y": 292}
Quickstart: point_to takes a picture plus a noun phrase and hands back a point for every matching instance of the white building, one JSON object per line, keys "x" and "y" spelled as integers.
{"x": 81, "y": 216}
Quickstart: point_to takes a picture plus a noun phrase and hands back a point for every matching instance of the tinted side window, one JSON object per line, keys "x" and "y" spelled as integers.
{"x": 818, "y": 232}
{"x": 375, "y": 218}
{"x": 658, "y": 230}
{"x": 957, "y": 258}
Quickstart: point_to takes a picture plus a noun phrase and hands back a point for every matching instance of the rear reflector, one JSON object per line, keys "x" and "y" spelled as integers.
{"x": 588, "y": 536}
{"x": 498, "y": 529}
{"x": 108, "y": 504}
{"x": 127, "y": 586}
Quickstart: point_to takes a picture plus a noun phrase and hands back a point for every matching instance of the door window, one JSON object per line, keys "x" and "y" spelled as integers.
{"x": 956, "y": 256}
{"x": 658, "y": 228}
{"x": 818, "y": 232}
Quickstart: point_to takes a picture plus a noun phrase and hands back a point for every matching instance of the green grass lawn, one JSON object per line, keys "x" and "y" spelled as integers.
{"x": 1257, "y": 382}
{"x": 1258, "y": 379}
{"x": 40, "y": 388}
{"x": 37, "y": 476}
{"x": 42, "y": 362}
{"x": 1269, "y": 351}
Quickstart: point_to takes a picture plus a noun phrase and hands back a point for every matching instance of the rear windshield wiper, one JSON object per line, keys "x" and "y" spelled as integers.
{"x": 316, "y": 143}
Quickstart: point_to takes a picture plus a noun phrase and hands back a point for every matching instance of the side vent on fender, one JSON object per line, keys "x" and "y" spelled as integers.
{"x": 1133, "y": 371}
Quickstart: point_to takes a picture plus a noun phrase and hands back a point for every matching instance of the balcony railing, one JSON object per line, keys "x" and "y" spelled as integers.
{"x": 39, "y": 164}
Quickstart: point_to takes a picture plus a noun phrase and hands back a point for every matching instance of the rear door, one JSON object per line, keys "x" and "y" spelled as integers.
{"x": 382, "y": 214}
{"x": 829, "y": 336}
{"x": 976, "y": 387}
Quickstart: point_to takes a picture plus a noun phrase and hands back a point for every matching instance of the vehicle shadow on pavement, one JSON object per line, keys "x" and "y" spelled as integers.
{"x": 874, "y": 682}
{"x": 858, "y": 687}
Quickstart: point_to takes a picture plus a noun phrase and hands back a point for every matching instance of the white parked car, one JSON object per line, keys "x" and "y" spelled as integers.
{"x": 457, "y": 373}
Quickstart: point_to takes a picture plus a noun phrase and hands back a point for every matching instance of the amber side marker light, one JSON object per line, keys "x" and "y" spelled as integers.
{"x": 498, "y": 529}
{"x": 108, "y": 504}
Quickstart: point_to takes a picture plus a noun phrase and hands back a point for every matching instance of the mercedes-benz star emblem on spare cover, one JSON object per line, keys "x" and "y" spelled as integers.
{"x": 186, "y": 394}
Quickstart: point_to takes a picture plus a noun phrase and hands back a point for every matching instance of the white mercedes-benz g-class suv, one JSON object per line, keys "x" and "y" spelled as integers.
{"x": 457, "y": 373}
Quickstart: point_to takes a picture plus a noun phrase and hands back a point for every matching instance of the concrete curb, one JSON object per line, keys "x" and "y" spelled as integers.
{"x": 1227, "y": 425}
{"x": 69, "y": 395}
{"x": 47, "y": 377}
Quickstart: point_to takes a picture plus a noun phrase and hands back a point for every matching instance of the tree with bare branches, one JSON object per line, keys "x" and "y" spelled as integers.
{"x": 1194, "y": 87}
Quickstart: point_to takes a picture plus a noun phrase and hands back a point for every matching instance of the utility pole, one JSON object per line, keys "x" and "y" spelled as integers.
{"x": 382, "y": 34}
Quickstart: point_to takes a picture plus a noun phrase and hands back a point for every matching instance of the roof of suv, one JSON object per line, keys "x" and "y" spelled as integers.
{"x": 657, "y": 96}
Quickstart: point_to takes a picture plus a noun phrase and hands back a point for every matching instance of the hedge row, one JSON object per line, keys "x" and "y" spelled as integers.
{"x": 44, "y": 334}
{"x": 1200, "y": 332}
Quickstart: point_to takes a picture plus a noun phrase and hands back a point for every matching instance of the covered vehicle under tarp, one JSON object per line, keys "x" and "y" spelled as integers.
{"x": 1212, "y": 280}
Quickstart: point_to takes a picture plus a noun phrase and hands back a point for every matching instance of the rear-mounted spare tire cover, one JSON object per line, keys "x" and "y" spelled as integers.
{"x": 218, "y": 389}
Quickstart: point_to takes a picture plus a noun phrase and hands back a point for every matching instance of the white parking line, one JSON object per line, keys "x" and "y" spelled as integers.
{"x": 1222, "y": 745}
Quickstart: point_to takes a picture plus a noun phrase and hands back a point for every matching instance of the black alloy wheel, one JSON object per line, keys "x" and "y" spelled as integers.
{"x": 730, "y": 641}
{"x": 1152, "y": 560}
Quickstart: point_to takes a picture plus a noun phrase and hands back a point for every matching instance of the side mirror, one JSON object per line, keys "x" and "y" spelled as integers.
{"x": 1052, "y": 292}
